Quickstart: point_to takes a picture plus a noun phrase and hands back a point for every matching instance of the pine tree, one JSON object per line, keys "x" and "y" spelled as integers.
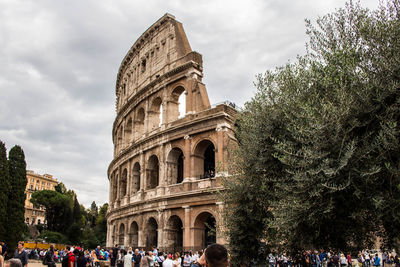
{"x": 16, "y": 201}
{"x": 4, "y": 189}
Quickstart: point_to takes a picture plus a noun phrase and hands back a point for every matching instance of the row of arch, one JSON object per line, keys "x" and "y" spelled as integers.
{"x": 172, "y": 233}
{"x": 144, "y": 119}
{"x": 175, "y": 165}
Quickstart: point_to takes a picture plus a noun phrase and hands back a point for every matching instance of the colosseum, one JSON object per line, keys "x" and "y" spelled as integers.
{"x": 170, "y": 146}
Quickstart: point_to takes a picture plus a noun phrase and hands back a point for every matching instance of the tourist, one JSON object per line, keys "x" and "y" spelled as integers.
{"x": 160, "y": 258}
{"x": 14, "y": 263}
{"x": 136, "y": 258}
{"x": 187, "y": 260}
{"x": 168, "y": 262}
{"x": 343, "y": 260}
{"x": 1, "y": 258}
{"x": 145, "y": 261}
{"x": 81, "y": 260}
{"x": 120, "y": 258}
{"x": 4, "y": 249}
{"x": 128, "y": 258}
{"x": 177, "y": 260}
{"x": 215, "y": 255}
{"x": 49, "y": 257}
{"x": 21, "y": 254}
{"x": 377, "y": 260}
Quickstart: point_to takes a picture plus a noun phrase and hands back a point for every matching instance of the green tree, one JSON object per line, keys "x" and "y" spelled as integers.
{"x": 322, "y": 135}
{"x": 100, "y": 229}
{"x": 4, "y": 188}
{"x": 57, "y": 206}
{"x": 16, "y": 200}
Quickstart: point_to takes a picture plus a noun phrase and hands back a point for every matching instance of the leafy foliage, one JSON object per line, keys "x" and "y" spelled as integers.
{"x": 16, "y": 199}
{"x": 319, "y": 141}
{"x": 4, "y": 188}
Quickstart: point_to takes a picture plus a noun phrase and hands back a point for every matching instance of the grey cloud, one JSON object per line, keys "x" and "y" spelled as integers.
{"x": 59, "y": 61}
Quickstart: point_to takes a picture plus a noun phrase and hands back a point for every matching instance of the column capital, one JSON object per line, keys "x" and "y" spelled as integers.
{"x": 186, "y": 207}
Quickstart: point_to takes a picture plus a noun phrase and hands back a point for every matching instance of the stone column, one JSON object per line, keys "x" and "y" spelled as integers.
{"x": 219, "y": 155}
{"x": 220, "y": 228}
{"x": 187, "y": 240}
{"x": 187, "y": 167}
{"x": 129, "y": 181}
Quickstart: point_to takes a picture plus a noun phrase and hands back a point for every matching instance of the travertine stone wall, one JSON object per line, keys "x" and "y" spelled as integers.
{"x": 166, "y": 163}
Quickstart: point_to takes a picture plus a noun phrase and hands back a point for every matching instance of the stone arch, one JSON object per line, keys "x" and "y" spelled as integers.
{"x": 114, "y": 183}
{"x": 134, "y": 234}
{"x": 204, "y": 229}
{"x": 155, "y": 113}
{"x": 139, "y": 122}
{"x": 175, "y": 165}
{"x": 136, "y": 178}
{"x": 114, "y": 235}
{"x": 128, "y": 131}
{"x": 151, "y": 236}
{"x": 204, "y": 159}
{"x": 119, "y": 138}
{"x": 121, "y": 234}
{"x": 153, "y": 172}
{"x": 123, "y": 183}
{"x": 174, "y": 234}
{"x": 177, "y": 103}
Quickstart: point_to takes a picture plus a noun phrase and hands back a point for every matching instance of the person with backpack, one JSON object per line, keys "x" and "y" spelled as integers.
{"x": 377, "y": 260}
{"x": 48, "y": 258}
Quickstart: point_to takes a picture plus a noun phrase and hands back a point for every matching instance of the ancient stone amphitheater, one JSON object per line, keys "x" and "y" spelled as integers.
{"x": 170, "y": 146}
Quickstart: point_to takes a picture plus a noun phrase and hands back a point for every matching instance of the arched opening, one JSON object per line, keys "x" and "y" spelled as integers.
{"x": 119, "y": 138}
{"x": 151, "y": 233}
{"x": 175, "y": 166}
{"x": 153, "y": 173}
{"x": 139, "y": 123}
{"x": 114, "y": 235}
{"x": 124, "y": 178}
{"x": 121, "y": 234}
{"x": 155, "y": 114}
{"x": 205, "y": 230}
{"x": 114, "y": 187}
{"x": 128, "y": 131}
{"x": 136, "y": 178}
{"x": 134, "y": 235}
{"x": 177, "y": 104}
{"x": 174, "y": 234}
{"x": 205, "y": 159}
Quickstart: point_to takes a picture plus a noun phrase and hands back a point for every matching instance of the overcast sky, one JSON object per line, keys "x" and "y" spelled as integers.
{"x": 59, "y": 60}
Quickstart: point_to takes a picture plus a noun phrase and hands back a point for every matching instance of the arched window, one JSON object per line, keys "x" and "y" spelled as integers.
{"x": 177, "y": 104}
{"x": 123, "y": 183}
{"x": 175, "y": 166}
{"x": 155, "y": 114}
{"x": 151, "y": 233}
{"x": 134, "y": 234}
{"x": 121, "y": 235}
{"x": 205, "y": 159}
{"x": 153, "y": 172}
{"x": 128, "y": 131}
{"x": 174, "y": 234}
{"x": 139, "y": 123}
{"x": 136, "y": 178}
{"x": 205, "y": 230}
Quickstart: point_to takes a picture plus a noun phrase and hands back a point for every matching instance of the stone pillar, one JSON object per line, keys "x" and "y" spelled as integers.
{"x": 143, "y": 175}
{"x": 129, "y": 181}
{"x": 219, "y": 155}
{"x": 220, "y": 223}
{"x": 187, "y": 240}
{"x": 187, "y": 166}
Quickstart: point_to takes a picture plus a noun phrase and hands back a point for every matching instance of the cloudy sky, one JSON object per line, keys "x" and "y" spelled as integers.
{"x": 59, "y": 60}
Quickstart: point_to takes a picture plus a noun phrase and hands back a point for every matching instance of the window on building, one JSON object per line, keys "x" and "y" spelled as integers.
{"x": 37, "y": 181}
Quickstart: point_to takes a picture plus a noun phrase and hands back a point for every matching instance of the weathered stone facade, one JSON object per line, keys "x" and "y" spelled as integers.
{"x": 166, "y": 164}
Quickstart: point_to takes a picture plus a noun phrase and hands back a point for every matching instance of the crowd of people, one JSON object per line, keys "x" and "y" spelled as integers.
{"x": 76, "y": 256}
{"x": 330, "y": 258}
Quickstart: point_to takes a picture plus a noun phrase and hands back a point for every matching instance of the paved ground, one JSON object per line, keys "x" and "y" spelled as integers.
{"x": 33, "y": 263}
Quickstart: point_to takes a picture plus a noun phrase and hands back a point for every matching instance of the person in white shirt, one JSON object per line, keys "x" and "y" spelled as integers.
{"x": 168, "y": 262}
{"x": 187, "y": 260}
{"x": 128, "y": 259}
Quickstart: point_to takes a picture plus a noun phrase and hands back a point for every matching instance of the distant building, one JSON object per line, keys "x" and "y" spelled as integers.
{"x": 36, "y": 182}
